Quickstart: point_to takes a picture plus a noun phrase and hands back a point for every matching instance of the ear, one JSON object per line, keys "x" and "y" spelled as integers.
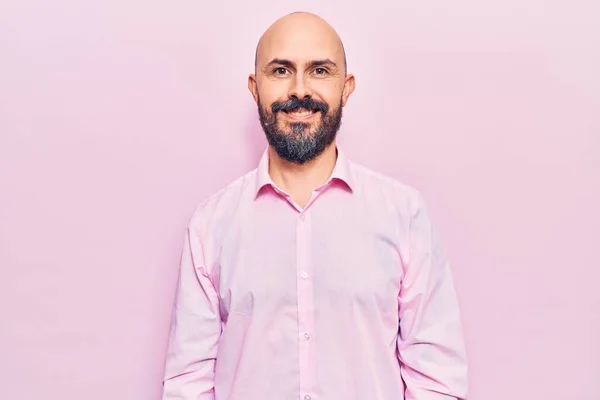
{"x": 348, "y": 88}
{"x": 253, "y": 87}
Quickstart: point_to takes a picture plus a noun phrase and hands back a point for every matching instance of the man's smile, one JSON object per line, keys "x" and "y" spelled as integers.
{"x": 300, "y": 114}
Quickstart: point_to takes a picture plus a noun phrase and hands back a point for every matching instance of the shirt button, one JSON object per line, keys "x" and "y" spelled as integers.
{"x": 307, "y": 336}
{"x": 307, "y": 397}
{"x": 302, "y": 217}
{"x": 304, "y": 275}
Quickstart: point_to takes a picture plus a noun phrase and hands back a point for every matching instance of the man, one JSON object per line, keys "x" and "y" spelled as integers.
{"x": 312, "y": 277}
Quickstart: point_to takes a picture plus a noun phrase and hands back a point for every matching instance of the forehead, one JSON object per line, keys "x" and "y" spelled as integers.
{"x": 300, "y": 45}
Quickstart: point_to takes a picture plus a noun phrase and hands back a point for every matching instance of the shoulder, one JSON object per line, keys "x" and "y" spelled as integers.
{"x": 380, "y": 187}
{"x": 217, "y": 210}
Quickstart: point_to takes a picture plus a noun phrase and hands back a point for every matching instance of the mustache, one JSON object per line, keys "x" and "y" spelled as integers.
{"x": 295, "y": 103}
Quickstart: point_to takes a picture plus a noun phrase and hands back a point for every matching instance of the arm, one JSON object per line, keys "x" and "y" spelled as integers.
{"x": 430, "y": 344}
{"x": 195, "y": 329}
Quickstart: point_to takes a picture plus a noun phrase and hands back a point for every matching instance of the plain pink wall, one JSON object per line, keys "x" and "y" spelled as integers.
{"x": 117, "y": 117}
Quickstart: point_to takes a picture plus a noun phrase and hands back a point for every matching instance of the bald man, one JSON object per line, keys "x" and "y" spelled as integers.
{"x": 312, "y": 277}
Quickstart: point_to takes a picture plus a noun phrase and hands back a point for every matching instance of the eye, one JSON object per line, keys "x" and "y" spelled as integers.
{"x": 320, "y": 71}
{"x": 280, "y": 71}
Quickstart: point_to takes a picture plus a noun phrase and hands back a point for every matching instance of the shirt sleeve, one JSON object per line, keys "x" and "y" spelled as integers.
{"x": 431, "y": 347}
{"x": 194, "y": 331}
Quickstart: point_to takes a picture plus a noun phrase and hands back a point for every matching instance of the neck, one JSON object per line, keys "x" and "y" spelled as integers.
{"x": 292, "y": 177}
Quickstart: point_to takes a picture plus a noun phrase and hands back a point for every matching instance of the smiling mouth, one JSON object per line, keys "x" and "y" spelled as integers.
{"x": 300, "y": 113}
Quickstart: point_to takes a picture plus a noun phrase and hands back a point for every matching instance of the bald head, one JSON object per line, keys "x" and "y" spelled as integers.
{"x": 301, "y": 29}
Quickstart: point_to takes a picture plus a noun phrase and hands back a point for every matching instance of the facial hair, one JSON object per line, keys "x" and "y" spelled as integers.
{"x": 301, "y": 141}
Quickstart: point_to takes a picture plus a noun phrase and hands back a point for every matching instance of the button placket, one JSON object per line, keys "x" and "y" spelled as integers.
{"x": 305, "y": 300}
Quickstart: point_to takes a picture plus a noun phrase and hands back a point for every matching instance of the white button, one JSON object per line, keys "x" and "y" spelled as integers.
{"x": 302, "y": 217}
{"x": 307, "y": 397}
{"x": 306, "y": 336}
{"x": 304, "y": 275}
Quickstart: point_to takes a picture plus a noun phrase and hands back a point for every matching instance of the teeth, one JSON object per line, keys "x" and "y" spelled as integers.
{"x": 301, "y": 113}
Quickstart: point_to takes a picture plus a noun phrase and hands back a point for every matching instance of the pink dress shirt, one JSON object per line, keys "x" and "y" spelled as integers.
{"x": 348, "y": 298}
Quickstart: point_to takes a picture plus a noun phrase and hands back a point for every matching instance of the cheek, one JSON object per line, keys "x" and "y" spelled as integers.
{"x": 271, "y": 91}
{"x": 331, "y": 93}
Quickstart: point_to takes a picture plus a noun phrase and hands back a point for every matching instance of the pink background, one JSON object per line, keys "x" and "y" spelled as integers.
{"x": 117, "y": 117}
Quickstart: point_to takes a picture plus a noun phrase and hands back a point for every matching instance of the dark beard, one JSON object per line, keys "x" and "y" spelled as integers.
{"x": 300, "y": 145}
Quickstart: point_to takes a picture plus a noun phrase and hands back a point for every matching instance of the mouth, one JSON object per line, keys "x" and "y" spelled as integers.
{"x": 301, "y": 113}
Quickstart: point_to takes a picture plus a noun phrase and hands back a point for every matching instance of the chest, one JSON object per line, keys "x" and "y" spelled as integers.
{"x": 337, "y": 256}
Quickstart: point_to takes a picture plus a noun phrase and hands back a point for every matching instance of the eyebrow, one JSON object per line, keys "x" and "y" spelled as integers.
{"x": 310, "y": 64}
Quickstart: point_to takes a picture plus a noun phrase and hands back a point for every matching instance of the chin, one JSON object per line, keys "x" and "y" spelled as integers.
{"x": 298, "y": 125}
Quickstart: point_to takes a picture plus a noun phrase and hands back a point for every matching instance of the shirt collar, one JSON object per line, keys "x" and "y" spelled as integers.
{"x": 341, "y": 171}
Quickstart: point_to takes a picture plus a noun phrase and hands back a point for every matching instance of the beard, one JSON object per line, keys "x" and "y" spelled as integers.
{"x": 300, "y": 142}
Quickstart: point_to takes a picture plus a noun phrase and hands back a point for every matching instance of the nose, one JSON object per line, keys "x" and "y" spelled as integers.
{"x": 300, "y": 87}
